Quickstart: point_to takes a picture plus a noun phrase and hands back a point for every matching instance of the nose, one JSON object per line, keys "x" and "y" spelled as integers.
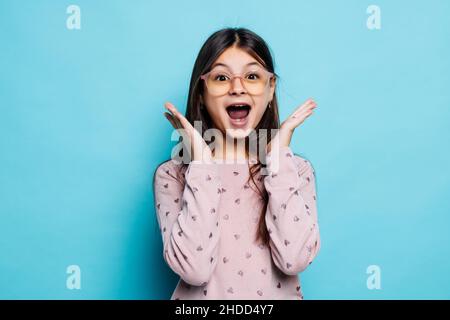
{"x": 236, "y": 86}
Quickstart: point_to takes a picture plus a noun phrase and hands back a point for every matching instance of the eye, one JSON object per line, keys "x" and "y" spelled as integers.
{"x": 253, "y": 76}
{"x": 220, "y": 77}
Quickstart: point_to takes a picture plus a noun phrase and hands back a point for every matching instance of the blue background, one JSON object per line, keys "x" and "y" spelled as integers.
{"x": 82, "y": 131}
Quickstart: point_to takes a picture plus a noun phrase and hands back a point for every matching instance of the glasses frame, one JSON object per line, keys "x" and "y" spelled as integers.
{"x": 233, "y": 76}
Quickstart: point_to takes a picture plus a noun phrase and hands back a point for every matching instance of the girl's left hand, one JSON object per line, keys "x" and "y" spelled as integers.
{"x": 288, "y": 126}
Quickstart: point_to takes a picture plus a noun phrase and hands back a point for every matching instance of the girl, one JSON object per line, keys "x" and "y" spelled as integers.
{"x": 229, "y": 231}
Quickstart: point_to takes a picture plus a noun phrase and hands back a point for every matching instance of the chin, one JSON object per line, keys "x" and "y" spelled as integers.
{"x": 238, "y": 133}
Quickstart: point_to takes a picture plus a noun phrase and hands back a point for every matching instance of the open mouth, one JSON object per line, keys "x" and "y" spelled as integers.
{"x": 238, "y": 111}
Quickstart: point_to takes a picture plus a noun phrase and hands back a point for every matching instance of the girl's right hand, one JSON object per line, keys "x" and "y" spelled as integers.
{"x": 200, "y": 151}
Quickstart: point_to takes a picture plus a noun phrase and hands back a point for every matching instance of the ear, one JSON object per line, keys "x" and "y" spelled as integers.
{"x": 273, "y": 84}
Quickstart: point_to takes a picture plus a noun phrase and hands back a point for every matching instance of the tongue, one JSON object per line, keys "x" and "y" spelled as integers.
{"x": 238, "y": 114}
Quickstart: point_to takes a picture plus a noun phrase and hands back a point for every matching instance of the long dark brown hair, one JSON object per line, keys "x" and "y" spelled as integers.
{"x": 254, "y": 45}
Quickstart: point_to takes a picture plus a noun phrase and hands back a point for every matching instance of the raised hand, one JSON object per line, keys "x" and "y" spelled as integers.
{"x": 284, "y": 134}
{"x": 200, "y": 151}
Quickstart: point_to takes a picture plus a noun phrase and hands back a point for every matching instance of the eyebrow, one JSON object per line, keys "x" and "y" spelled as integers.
{"x": 225, "y": 65}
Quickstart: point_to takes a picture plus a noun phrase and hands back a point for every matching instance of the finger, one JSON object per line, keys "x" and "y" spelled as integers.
{"x": 298, "y": 119}
{"x": 172, "y": 120}
{"x": 306, "y": 114}
{"x": 176, "y": 121}
{"x": 301, "y": 113}
{"x": 307, "y": 103}
{"x": 183, "y": 121}
{"x": 174, "y": 115}
{"x": 171, "y": 108}
{"x": 307, "y": 106}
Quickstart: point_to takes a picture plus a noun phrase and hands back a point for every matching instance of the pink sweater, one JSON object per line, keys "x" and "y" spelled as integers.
{"x": 208, "y": 227}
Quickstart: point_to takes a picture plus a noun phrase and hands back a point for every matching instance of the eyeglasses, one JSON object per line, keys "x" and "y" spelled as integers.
{"x": 218, "y": 82}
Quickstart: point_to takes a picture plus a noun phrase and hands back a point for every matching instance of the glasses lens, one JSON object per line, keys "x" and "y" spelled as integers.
{"x": 218, "y": 82}
{"x": 254, "y": 81}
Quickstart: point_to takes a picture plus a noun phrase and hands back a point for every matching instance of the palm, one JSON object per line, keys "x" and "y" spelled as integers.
{"x": 199, "y": 149}
{"x": 284, "y": 134}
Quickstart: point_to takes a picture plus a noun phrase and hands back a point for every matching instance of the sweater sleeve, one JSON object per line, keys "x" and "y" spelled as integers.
{"x": 291, "y": 216}
{"x": 188, "y": 219}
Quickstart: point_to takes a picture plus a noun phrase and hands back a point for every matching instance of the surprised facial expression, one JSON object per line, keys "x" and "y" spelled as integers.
{"x": 236, "y": 105}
